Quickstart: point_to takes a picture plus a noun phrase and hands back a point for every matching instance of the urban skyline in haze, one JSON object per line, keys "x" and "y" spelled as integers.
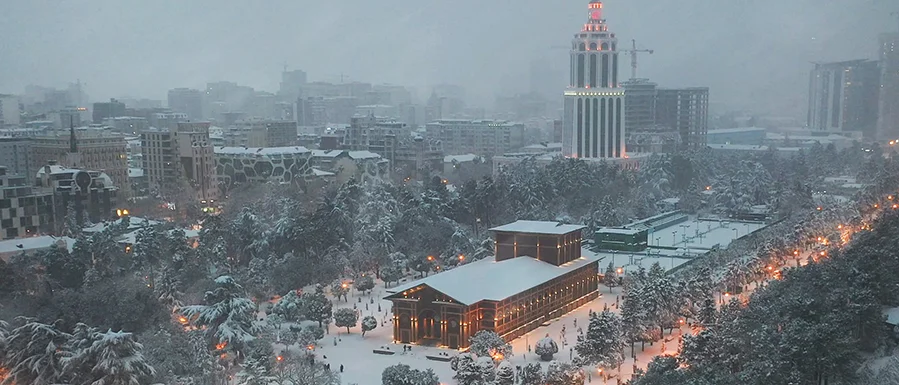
{"x": 753, "y": 56}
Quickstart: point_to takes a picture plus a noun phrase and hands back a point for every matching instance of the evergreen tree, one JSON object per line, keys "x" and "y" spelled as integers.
{"x": 316, "y": 307}
{"x": 487, "y": 369}
{"x": 227, "y": 315}
{"x": 610, "y": 278}
{"x": 289, "y": 307}
{"x": 392, "y": 272}
{"x": 117, "y": 360}
{"x": 532, "y": 374}
{"x": 505, "y": 374}
{"x": 339, "y": 289}
{"x": 254, "y": 372}
{"x": 34, "y": 353}
{"x": 345, "y": 318}
{"x": 401, "y": 374}
{"x": 563, "y": 373}
{"x": 603, "y": 343}
{"x": 364, "y": 283}
{"x": 467, "y": 370}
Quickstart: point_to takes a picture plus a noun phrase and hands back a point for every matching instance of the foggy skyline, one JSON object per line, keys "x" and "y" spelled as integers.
{"x": 753, "y": 55}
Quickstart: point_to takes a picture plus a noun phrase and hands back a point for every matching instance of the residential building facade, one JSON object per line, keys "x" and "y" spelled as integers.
{"x": 105, "y": 110}
{"x": 261, "y": 133}
{"x": 24, "y": 210}
{"x": 180, "y": 159}
{"x": 91, "y": 194}
{"x": 480, "y": 137}
{"x": 9, "y": 111}
{"x": 17, "y": 155}
{"x": 97, "y": 149}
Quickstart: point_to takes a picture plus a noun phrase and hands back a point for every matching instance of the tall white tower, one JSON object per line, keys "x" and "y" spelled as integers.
{"x": 593, "y": 121}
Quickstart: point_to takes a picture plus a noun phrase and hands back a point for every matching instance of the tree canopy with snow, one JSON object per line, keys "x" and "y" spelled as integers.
{"x": 227, "y": 315}
{"x": 602, "y": 345}
{"x": 345, "y": 318}
{"x": 369, "y": 323}
{"x": 486, "y": 343}
{"x": 402, "y": 374}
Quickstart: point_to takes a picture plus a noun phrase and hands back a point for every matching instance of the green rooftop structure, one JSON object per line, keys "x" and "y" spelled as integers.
{"x": 621, "y": 239}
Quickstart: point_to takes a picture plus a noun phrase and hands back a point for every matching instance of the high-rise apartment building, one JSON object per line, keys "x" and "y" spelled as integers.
{"x": 188, "y": 101}
{"x": 16, "y": 154}
{"x": 291, "y": 82}
{"x": 843, "y": 97}
{"x": 594, "y": 121}
{"x": 480, "y": 137}
{"x": 180, "y": 163}
{"x": 105, "y": 110}
{"x": 684, "y": 111}
{"x": 640, "y": 104}
{"x": 9, "y": 111}
{"x": 85, "y": 148}
{"x": 888, "y": 119}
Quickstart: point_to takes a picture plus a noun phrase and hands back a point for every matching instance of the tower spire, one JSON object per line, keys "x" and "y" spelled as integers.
{"x": 73, "y": 141}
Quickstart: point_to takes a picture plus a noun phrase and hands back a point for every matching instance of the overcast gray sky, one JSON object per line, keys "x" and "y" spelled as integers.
{"x": 753, "y": 54}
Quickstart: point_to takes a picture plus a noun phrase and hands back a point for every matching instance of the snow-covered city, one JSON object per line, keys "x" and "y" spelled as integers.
{"x": 484, "y": 209}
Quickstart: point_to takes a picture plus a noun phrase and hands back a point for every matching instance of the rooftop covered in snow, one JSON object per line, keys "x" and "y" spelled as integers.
{"x": 538, "y": 227}
{"x": 489, "y": 280}
{"x": 261, "y": 151}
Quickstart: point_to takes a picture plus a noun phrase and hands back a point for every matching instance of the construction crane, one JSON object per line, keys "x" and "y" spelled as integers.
{"x": 633, "y": 51}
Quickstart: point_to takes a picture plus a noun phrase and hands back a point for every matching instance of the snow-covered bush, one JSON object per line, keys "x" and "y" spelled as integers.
{"x": 545, "y": 348}
{"x": 563, "y": 373}
{"x": 369, "y": 323}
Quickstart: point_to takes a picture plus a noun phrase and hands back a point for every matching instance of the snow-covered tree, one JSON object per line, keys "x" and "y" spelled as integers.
{"x": 316, "y": 307}
{"x": 610, "y": 278}
{"x": 254, "y": 372}
{"x": 505, "y": 373}
{"x": 466, "y": 368}
{"x": 34, "y": 353}
{"x": 345, "y": 318}
{"x": 369, "y": 323}
{"x": 402, "y": 374}
{"x": 117, "y": 359}
{"x": 340, "y": 289}
{"x": 563, "y": 373}
{"x": 289, "y": 307}
{"x": 486, "y": 343}
{"x": 532, "y": 374}
{"x": 487, "y": 369}
{"x": 545, "y": 348}
{"x": 364, "y": 283}
{"x": 227, "y": 315}
{"x": 392, "y": 272}
{"x": 603, "y": 343}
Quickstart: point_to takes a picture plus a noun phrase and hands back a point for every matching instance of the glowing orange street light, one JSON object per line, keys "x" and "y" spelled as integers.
{"x": 876, "y": 205}
{"x": 727, "y": 294}
{"x": 890, "y": 197}
{"x": 707, "y": 188}
{"x": 820, "y": 208}
{"x": 343, "y": 285}
{"x": 430, "y": 258}
{"x": 619, "y": 270}
{"x": 461, "y": 257}
{"x": 795, "y": 252}
{"x": 279, "y": 358}
{"x": 840, "y": 227}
